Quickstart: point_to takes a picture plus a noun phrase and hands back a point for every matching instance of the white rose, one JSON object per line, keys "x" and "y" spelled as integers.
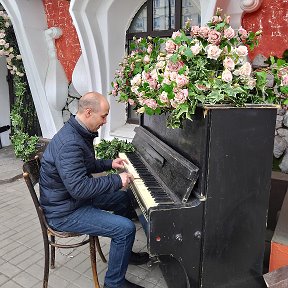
{"x": 196, "y": 49}
{"x": 242, "y": 51}
{"x": 228, "y": 63}
{"x": 213, "y": 51}
{"x": 136, "y": 81}
{"x": 227, "y": 76}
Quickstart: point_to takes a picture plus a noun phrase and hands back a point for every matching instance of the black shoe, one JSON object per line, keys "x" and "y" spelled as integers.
{"x": 138, "y": 258}
{"x": 127, "y": 284}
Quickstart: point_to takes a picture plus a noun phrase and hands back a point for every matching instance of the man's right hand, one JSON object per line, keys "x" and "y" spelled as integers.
{"x": 126, "y": 179}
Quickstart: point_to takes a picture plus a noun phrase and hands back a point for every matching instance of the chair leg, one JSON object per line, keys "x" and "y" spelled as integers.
{"x": 93, "y": 261}
{"x": 46, "y": 263}
{"x": 52, "y": 252}
{"x": 99, "y": 249}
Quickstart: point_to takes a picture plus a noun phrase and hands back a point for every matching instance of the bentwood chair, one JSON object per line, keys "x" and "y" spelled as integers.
{"x": 31, "y": 170}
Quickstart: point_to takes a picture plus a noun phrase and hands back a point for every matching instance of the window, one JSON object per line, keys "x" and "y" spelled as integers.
{"x": 160, "y": 18}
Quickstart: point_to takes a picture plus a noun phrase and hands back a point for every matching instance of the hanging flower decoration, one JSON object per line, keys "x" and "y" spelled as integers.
{"x": 196, "y": 66}
{"x": 8, "y": 47}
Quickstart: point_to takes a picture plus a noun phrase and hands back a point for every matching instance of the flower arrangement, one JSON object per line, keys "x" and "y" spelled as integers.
{"x": 177, "y": 74}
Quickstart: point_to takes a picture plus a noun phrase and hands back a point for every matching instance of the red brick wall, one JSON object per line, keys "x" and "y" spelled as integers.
{"x": 68, "y": 46}
{"x": 272, "y": 19}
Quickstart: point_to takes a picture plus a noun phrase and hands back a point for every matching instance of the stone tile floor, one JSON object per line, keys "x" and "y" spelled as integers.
{"x": 21, "y": 244}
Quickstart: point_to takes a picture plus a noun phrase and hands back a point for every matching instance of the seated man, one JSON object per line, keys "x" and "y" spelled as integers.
{"x": 74, "y": 201}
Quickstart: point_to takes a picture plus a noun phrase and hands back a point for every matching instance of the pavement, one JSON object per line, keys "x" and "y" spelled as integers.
{"x": 21, "y": 243}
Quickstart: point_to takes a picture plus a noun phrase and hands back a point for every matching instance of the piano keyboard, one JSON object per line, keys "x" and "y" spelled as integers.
{"x": 147, "y": 188}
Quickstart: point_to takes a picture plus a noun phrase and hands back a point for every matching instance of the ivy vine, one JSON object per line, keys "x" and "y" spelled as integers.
{"x": 23, "y": 144}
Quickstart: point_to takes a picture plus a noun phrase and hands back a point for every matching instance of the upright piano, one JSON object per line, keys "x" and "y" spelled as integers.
{"x": 202, "y": 194}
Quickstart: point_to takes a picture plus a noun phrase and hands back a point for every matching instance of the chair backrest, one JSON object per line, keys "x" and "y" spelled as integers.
{"x": 31, "y": 174}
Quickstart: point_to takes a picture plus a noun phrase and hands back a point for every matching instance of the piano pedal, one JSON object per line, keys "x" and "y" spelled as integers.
{"x": 153, "y": 261}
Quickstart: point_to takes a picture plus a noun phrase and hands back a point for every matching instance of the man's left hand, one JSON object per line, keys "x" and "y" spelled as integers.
{"x": 118, "y": 163}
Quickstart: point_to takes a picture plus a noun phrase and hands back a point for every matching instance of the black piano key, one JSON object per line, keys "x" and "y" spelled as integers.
{"x": 155, "y": 189}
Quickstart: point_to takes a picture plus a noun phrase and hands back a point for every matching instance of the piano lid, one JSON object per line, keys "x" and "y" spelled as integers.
{"x": 177, "y": 173}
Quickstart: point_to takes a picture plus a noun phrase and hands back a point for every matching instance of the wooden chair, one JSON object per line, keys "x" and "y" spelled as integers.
{"x": 31, "y": 170}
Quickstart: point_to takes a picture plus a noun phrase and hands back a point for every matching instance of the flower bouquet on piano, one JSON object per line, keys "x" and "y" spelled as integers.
{"x": 196, "y": 66}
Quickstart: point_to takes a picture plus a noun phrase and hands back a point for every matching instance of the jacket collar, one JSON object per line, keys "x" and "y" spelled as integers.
{"x": 81, "y": 130}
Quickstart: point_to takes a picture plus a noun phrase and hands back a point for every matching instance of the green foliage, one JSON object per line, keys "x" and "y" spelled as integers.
{"x": 24, "y": 145}
{"x": 110, "y": 149}
{"x": 278, "y": 68}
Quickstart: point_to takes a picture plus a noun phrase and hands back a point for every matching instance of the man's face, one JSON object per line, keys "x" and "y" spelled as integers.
{"x": 98, "y": 118}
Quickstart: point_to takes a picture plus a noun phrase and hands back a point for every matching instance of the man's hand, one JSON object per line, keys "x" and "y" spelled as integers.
{"x": 118, "y": 163}
{"x": 126, "y": 179}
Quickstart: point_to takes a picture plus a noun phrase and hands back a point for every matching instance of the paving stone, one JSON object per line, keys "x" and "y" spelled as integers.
{"x": 25, "y": 279}
{"x": 11, "y": 284}
{"x": 9, "y": 270}
{"x": 3, "y": 279}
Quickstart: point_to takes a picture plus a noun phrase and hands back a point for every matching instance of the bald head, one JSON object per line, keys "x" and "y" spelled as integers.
{"x": 93, "y": 109}
{"x": 93, "y": 100}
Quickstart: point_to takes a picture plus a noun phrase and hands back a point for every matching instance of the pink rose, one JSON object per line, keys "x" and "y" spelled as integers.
{"x": 228, "y": 63}
{"x": 251, "y": 83}
{"x": 245, "y": 70}
{"x": 180, "y": 97}
{"x": 146, "y": 59}
{"x": 229, "y": 33}
{"x": 214, "y": 37}
{"x": 213, "y": 52}
{"x": 170, "y": 46}
{"x": 151, "y": 103}
{"x": 227, "y": 76}
{"x": 204, "y": 31}
{"x": 176, "y": 34}
{"x": 284, "y": 80}
{"x": 242, "y": 51}
{"x": 182, "y": 80}
{"x": 194, "y": 30}
{"x": 164, "y": 97}
{"x": 175, "y": 66}
{"x": 196, "y": 49}
{"x": 227, "y": 19}
{"x": 242, "y": 33}
{"x": 149, "y": 49}
{"x": 216, "y": 19}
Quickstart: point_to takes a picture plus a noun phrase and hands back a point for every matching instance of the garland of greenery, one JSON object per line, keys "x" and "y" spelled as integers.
{"x": 24, "y": 145}
{"x": 110, "y": 149}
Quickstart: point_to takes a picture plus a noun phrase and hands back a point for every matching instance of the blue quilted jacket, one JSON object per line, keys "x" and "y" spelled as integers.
{"x": 67, "y": 165}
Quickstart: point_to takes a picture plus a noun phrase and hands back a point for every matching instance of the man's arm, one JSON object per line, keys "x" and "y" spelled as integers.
{"x": 71, "y": 167}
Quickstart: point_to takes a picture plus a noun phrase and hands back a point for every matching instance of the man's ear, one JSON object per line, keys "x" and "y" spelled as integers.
{"x": 88, "y": 112}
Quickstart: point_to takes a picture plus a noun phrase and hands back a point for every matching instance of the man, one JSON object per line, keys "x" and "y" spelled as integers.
{"x": 74, "y": 201}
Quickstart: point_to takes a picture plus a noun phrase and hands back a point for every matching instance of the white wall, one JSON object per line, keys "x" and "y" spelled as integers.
{"x": 4, "y": 103}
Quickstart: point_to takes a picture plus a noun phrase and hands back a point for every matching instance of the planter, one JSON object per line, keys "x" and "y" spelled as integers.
{"x": 233, "y": 149}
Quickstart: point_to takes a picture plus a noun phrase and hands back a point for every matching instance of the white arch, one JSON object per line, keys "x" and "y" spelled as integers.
{"x": 101, "y": 28}
{"x": 30, "y": 34}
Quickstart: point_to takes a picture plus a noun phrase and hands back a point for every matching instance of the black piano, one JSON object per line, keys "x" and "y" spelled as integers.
{"x": 203, "y": 193}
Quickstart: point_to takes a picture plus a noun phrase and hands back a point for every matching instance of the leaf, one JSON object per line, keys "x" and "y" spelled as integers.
{"x": 284, "y": 89}
{"x": 174, "y": 58}
{"x": 280, "y": 62}
{"x": 214, "y": 97}
{"x": 188, "y": 53}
